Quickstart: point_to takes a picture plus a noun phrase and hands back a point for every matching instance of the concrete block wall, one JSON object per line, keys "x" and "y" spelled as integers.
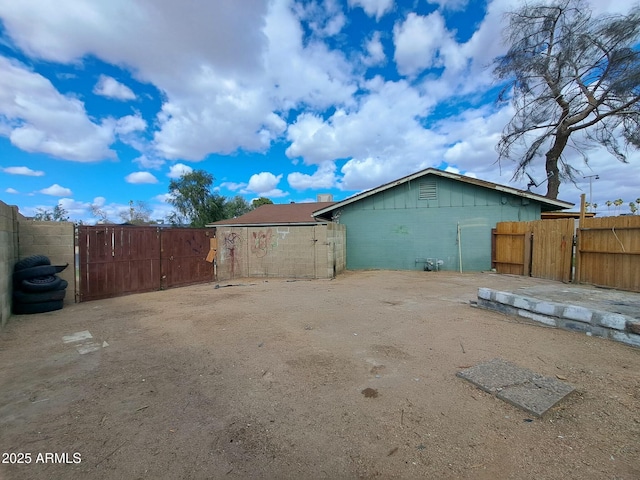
{"x": 337, "y": 239}
{"x": 56, "y": 240}
{"x": 305, "y": 251}
{"x": 8, "y": 257}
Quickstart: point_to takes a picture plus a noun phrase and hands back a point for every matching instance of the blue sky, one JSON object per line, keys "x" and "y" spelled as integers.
{"x": 102, "y": 103}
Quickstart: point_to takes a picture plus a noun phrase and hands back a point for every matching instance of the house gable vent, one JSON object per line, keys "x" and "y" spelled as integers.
{"x": 428, "y": 190}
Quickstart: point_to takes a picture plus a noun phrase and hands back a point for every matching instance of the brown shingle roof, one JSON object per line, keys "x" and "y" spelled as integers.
{"x": 278, "y": 214}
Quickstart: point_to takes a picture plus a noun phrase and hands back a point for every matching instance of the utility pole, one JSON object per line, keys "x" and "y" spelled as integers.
{"x": 591, "y": 177}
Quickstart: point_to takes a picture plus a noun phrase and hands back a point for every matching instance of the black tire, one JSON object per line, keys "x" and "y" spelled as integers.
{"x": 42, "y": 307}
{"x": 41, "y": 284}
{"x": 34, "y": 297}
{"x": 31, "y": 261}
{"x": 34, "y": 272}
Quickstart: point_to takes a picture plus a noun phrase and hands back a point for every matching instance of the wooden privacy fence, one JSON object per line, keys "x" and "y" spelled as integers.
{"x": 118, "y": 260}
{"x": 608, "y": 252}
{"x": 541, "y": 248}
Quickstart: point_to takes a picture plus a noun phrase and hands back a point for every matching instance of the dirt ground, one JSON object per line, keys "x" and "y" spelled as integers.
{"x": 338, "y": 379}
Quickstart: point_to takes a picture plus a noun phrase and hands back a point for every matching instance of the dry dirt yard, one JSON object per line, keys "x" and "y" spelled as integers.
{"x": 265, "y": 380}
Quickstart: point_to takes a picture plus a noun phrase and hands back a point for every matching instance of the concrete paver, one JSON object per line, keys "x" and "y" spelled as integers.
{"x": 518, "y": 386}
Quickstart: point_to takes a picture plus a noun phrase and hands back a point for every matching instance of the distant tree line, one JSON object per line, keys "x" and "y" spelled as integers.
{"x": 58, "y": 214}
{"x": 634, "y": 206}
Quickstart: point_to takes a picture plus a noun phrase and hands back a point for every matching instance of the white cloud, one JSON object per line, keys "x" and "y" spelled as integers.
{"x": 227, "y": 34}
{"x": 111, "y": 88}
{"x": 213, "y": 113}
{"x": 421, "y": 43}
{"x": 233, "y": 186}
{"x": 325, "y": 19}
{"x": 246, "y": 62}
{"x": 216, "y": 116}
{"x": 74, "y": 208}
{"x": 11, "y": 190}
{"x": 449, "y": 4}
{"x": 44, "y": 121}
{"x": 203, "y": 52}
{"x": 399, "y": 143}
{"x": 23, "y": 171}
{"x": 369, "y": 172}
{"x": 56, "y": 190}
{"x": 264, "y": 184}
{"x": 375, "y": 51}
{"x": 145, "y": 161}
{"x": 373, "y": 8}
{"x": 178, "y": 170}
{"x": 621, "y": 6}
{"x": 130, "y": 124}
{"x": 140, "y": 177}
{"x": 324, "y": 177}
{"x": 163, "y": 197}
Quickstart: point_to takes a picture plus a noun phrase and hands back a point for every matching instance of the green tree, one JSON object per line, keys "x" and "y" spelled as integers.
{"x": 58, "y": 214}
{"x": 193, "y": 200}
{"x": 608, "y": 203}
{"x": 261, "y": 201}
{"x": 568, "y": 72}
{"x": 617, "y": 203}
{"x": 235, "y": 207}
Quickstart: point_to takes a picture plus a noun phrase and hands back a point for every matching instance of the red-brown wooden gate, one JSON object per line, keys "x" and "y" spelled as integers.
{"x": 119, "y": 260}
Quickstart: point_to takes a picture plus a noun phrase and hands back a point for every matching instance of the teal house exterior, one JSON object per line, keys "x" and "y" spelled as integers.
{"x": 431, "y": 220}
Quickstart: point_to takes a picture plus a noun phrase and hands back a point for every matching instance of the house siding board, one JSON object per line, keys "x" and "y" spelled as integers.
{"x": 394, "y": 230}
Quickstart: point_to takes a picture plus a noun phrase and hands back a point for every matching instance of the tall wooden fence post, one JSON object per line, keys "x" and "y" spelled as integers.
{"x": 576, "y": 275}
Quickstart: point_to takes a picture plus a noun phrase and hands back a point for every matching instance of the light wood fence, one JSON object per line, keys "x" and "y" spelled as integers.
{"x": 607, "y": 250}
{"x": 541, "y": 248}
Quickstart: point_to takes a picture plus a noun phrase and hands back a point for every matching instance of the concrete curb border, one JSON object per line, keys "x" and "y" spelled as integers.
{"x": 614, "y": 326}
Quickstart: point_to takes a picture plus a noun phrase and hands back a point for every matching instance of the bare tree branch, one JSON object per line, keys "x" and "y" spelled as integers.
{"x": 567, "y": 72}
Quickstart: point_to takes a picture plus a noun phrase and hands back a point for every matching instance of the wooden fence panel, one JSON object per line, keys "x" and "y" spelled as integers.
{"x": 116, "y": 260}
{"x": 552, "y": 249}
{"x": 541, "y": 248}
{"x": 184, "y": 254}
{"x": 512, "y": 243}
{"x": 608, "y": 252}
{"x": 119, "y": 260}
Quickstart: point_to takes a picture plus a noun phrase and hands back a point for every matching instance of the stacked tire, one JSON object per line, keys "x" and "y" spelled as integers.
{"x": 36, "y": 286}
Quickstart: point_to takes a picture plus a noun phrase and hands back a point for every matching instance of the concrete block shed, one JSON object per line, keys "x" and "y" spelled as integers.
{"x": 280, "y": 241}
{"x": 431, "y": 219}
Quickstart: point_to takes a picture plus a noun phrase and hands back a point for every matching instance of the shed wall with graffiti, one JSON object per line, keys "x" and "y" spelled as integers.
{"x": 292, "y": 251}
